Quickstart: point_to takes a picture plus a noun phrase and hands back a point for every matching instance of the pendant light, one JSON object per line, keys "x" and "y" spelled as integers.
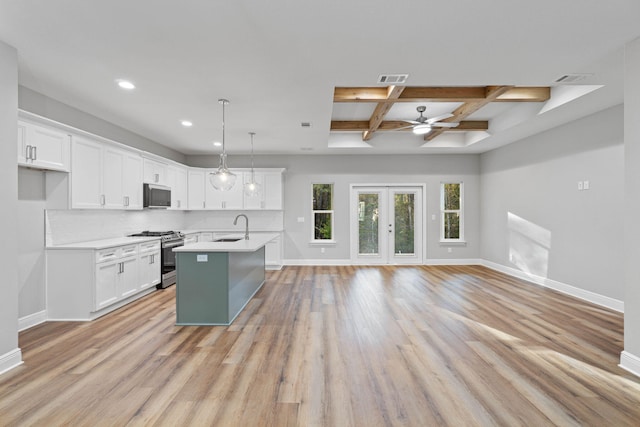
{"x": 223, "y": 179}
{"x": 252, "y": 188}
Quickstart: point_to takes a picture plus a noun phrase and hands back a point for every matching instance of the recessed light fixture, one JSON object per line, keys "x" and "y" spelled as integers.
{"x": 125, "y": 84}
{"x": 186, "y": 123}
{"x": 305, "y": 124}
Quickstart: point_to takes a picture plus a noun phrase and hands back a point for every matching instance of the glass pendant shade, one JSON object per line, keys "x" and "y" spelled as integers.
{"x": 252, "y": 188}
{"x": 222, "y": 179}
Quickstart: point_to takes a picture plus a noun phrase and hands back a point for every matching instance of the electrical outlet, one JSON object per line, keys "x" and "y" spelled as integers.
{"x": 300, "y": 219}
{"x": 449, "y": 250}
{"x": 321, "y": 250}
{"x": 580, "y": 186}
{"x": 585, "y": 185}
{"x": 433, "y": 217}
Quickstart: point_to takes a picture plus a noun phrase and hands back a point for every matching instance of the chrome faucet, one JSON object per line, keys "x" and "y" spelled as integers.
{"x": 246, "y": 229}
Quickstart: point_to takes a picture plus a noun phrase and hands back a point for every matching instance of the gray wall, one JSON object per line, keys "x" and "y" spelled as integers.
{"x": 44, "y": 106}
{"x": 9, "y": 197}
{"x": 632, "y": 202}
{"x": 302, "y": 171}
{"x": 535, "y": 219}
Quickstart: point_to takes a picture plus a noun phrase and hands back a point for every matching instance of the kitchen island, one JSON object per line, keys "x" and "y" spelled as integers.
{"x": 215, "y": 280}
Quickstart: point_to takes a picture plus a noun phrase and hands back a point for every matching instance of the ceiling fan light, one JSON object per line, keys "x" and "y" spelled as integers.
{"x": 422, "y": 129}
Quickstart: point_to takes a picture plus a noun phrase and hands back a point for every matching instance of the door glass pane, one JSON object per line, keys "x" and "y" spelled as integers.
{"x": 368, "y": 223}
{"x": 404, "y": 211}
{"x": 451, "y": 225}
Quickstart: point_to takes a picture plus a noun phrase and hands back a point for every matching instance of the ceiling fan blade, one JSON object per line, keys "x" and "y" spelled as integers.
{"x": 413, "y": 122}
{"x": 438, "y": 118}
{"x": 445, "y": 124}
{"x": 404, "y": 127}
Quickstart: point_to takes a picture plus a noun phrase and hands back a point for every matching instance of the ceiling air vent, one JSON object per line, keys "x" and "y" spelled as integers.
{"x": 305, "y": 124}
{"x": 392, "y": 79}
{"x": 572, "y": 78}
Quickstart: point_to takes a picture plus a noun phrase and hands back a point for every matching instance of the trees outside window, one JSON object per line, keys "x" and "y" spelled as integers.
{"x": 451, "y": 211}
{"x": 322, "y": 212}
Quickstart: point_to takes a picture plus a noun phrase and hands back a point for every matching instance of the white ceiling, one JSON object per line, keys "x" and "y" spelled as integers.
{"x": 278, "y": 62}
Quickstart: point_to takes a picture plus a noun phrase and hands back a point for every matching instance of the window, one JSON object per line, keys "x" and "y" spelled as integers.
{"x": 451, "y": 214}
{"x": 322, "y": 212}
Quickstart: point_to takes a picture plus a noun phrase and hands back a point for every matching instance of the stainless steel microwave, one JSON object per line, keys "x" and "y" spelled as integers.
{"x": 156, "y": 196}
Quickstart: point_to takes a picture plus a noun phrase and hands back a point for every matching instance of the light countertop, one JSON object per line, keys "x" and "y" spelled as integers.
{"x": 255, "y": 242}
{"x": 104, "y": 243}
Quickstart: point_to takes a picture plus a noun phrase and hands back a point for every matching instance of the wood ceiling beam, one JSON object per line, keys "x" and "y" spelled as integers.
{"x": 381, "y": 111}
{"x": 440, "y": 94}
{"x": 394, "y": 125}
{"x": 468, "y": 108}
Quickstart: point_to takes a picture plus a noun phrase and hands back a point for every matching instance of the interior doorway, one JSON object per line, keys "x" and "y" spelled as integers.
{"x": 386, "y": 224}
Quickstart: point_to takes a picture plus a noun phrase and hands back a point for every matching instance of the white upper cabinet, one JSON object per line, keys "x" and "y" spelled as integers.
{"x": 231, "y": 199}
{"x": 155, "y": 172}
{"x": 104, "y": 176}
{"x": 177, "y": 181}
{"x": 42, "y": 147}
{"x": 196, "y": 183}
{"x": 270, "y": 196}
{"x": 86, "y": 174}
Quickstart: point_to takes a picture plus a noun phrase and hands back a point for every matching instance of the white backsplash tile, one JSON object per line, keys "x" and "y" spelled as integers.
{"x": 72, "y": 226}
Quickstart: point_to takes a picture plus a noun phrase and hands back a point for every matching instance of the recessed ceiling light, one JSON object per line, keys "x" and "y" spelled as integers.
{"x": 217, "y": 144}
{"x": 125, "y": 84}
{"x": 186, "y": 123}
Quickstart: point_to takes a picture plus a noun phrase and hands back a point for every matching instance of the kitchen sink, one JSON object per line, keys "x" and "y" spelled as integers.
{"x": 229, "y": 239}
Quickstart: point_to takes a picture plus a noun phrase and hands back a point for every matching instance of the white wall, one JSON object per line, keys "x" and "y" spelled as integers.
{"x": 303, "y": 170}
{"x": 9, "y": 352}
{"x": 534, "y": 218}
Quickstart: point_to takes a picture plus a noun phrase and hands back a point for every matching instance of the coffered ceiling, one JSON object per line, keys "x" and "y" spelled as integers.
{"x": 285, "y": 63}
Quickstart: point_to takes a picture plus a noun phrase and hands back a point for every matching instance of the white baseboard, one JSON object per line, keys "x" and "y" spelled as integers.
{"x": 470, "y": 261}
{"x": 630, "y": 363}
{"x": 32, "y": 320}
{"x": 598, "y": 299}
{"x": 317, "y": 262}
{"x": 10, "y": 360}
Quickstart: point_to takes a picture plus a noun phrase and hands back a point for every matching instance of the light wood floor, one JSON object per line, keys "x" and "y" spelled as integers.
{"x": 336, "y": 346}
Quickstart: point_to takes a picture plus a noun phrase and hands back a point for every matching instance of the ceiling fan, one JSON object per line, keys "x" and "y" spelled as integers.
{"x": 423, "y": 125}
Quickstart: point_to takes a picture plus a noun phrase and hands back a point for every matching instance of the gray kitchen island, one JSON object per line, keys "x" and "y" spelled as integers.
{"x": 215, "y": 280}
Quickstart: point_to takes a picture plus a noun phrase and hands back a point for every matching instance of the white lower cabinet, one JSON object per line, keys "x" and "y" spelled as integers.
{"x": 85, "y": 283}
{"x": 149, "y": 265}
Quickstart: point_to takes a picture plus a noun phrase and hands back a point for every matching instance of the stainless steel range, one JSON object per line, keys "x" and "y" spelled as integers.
{"x": 168, "y": 241}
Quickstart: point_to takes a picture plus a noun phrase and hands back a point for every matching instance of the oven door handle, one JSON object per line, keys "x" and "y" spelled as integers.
{"x": 173, "y": 244}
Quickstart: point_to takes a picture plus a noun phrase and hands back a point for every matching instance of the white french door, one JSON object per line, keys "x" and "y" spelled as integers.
{"x": 386, "y": 224}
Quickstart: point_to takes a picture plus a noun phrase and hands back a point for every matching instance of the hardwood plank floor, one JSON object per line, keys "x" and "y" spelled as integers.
{"x": 336, "y": 346}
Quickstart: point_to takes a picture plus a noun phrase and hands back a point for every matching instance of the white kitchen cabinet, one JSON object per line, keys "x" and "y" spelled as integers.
{"x": 191, "y": 238}
{"x": 206, "y": 236}
{"x": 232, "y": 199}
{"x": 85, "y": 283}
{"x": 155, "y": 172}
{"x": 104, "y": 176}
{"x": 149, "y": 265}
{"x": 177, "y": 181}
{"x": 43, "y": 147}
{"x": 86, "y": 173}
{"x": 196, "y": 181}
{"x": 270, "y": 196}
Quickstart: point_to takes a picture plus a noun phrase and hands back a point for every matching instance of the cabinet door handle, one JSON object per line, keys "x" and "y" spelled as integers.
{"x": 34, "y": 155}
{"x": 127, "y": 199}
{"x": 204, "y": 205}
{"x": 224, "y": 204}
{"x": 27, "y": 152}
{"x": 103, "y": 200}
{"x": 156, "y": 177}
{"x": 178, "y": 203}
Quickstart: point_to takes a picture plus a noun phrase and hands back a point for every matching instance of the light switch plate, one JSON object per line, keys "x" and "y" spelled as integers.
{"x": 579, "y": 185}
{"x": 585, "y": 185}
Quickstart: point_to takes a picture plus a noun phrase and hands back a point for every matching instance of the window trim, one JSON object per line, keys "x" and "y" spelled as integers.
{"x": 460, "y": 212}
{"x": 313, "y": 240}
